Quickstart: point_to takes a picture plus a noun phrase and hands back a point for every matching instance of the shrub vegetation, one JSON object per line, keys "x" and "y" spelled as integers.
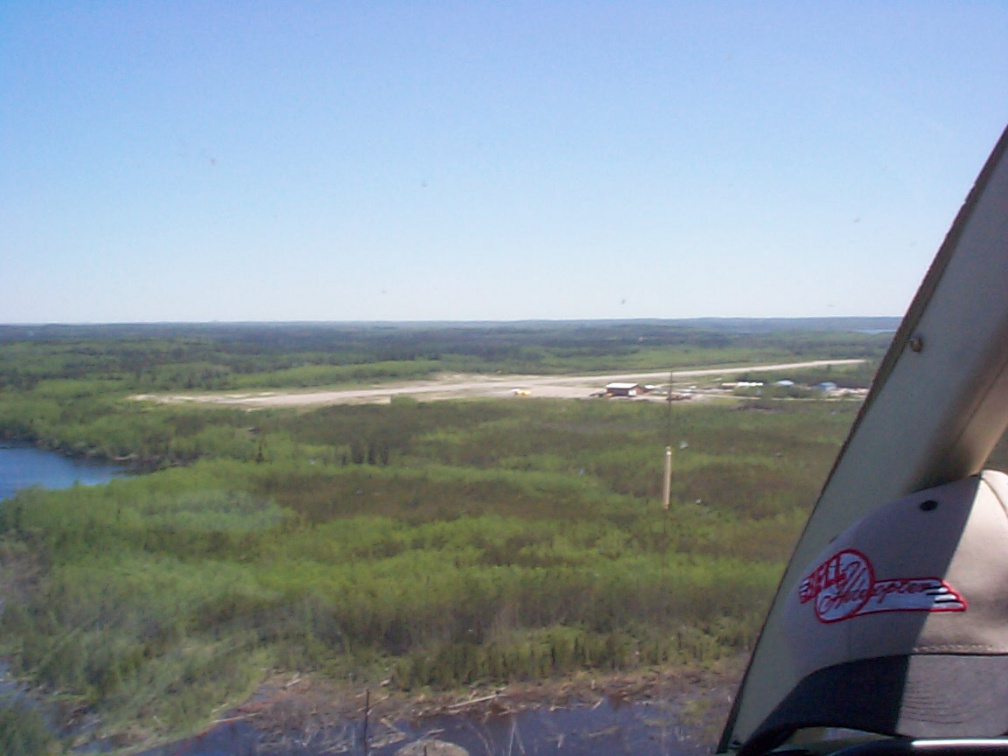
{"x": 427, "y": 544}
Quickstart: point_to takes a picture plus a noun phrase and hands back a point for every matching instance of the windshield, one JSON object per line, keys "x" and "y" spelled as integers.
{"x": 374, "y": 371}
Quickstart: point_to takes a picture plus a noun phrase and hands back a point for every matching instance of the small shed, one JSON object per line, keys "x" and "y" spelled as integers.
{"x": 622, "y": 389}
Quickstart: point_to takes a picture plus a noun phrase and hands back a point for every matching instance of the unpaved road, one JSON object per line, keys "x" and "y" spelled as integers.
{"x": 455, "y": 386}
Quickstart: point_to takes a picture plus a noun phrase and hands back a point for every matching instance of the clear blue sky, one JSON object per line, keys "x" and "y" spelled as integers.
{"x": 197, "y": 161}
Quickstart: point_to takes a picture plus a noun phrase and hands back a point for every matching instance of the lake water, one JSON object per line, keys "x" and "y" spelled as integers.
{"x": 25, "y": 466}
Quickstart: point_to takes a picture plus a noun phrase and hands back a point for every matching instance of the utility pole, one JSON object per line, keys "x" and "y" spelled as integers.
{"x": 667, "y": 479}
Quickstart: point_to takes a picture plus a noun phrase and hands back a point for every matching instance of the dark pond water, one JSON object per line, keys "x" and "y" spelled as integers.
{"x": 606, "y": 729}
{"x": 25, "y": 466}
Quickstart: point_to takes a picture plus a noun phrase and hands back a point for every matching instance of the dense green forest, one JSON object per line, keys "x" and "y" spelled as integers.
{"x": 419, "y": 544}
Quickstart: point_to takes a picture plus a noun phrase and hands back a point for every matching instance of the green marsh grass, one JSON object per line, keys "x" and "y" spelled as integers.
{"x": 493, "y": 542}
{"x": 428, "y": 544}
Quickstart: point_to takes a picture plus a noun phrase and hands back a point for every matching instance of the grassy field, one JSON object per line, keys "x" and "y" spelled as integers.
{"x": 421, "y": 545}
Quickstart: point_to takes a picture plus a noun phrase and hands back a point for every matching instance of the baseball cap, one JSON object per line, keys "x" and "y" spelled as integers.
{"x": 900, "y": 626}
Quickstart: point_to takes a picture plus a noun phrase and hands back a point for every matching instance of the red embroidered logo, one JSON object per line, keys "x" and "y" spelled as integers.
{"x": 844, "y": 586}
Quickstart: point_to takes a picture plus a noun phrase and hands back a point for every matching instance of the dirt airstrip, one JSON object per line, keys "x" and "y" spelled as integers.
{"x": 457, "y": 386}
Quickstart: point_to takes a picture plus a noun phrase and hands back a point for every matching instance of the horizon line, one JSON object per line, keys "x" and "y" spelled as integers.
{"x": 475, "y": 322}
